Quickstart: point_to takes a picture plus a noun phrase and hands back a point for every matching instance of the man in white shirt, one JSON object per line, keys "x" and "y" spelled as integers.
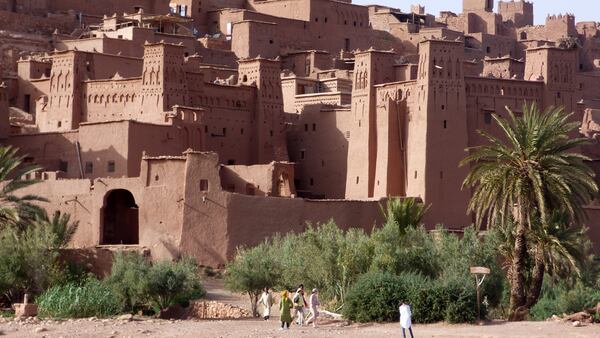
{"x": 405, "y": 319}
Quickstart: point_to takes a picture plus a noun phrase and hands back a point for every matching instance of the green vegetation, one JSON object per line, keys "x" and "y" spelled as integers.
{"x": 518, "y": 181}
{"x": 134, "y": 284}
{"x": 398, "y": 260}
{"x": 92, "y": 298}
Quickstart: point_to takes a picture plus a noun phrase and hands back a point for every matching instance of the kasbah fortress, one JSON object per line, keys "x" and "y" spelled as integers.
{"x": 191, "y": 127}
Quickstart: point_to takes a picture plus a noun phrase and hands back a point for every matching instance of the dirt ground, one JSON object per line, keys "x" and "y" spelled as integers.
{"x": 148, "y": 327}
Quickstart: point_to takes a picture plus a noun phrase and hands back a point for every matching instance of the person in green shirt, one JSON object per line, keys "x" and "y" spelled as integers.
{"x": 285, "y": 306}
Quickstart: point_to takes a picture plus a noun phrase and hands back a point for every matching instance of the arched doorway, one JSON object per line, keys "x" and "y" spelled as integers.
{"x": 120, "y": 222}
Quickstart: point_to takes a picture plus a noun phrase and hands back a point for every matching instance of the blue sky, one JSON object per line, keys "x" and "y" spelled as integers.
{"x": 584, "y": 10}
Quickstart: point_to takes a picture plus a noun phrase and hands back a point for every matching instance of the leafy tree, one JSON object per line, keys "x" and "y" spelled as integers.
{"x": 530, "y": 170}
{"x": 251, "y": 271}
{"x": 15, "y": 209}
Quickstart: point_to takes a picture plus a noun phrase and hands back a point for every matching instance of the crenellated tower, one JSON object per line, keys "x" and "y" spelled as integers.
{"x": 163, "y": 78}
{"x": 437, "y": 133}
{"x": 269, "y": 131}
{"x": 370, "y": 68}
{"x": 63, "y": 111}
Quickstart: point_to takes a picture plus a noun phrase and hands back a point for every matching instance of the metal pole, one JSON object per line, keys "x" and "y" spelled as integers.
{"x": 478, "y": 300}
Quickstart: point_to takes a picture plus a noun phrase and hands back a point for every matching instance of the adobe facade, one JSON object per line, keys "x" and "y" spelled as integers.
{"x": 193, "y": 127}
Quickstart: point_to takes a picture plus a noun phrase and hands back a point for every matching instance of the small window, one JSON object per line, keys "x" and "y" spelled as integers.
{"x": 230, "y": 162}
{"x": 347, "y": 134}
{"x": 357, "y": 179}
{"x": 206, "y": 129}
{"x": 271, "y": 132}
{"x": 111, "y": 166}
{"x": 250, "y": 189}
{"x": 119, "y": 36}
{"x": 63, "y": 166}
{"x": 302, "y": 154}
{"x": 314, "y": 127}
{"x": 416, "y": 174}
{"x": 305, "y": 127}
{"x": 445, "y": 124}
{"x": 59, "y": 124}
{"x": 203, "y": 185}
{"x": 487, "y": 117}
{"x": 224, "y": 131}
{"x": 312, "y": 181}
{"x": 89, "y": 167}
{"x": 242, "y": 131}
{"x": 558, "y": 95}
{"x": 443, "y": 107}
{"x": 488, "y": 50}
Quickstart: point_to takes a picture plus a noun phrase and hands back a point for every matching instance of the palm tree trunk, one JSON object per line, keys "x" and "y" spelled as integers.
{"x": 537, "y": 279}
{"x": 517, "y": 275}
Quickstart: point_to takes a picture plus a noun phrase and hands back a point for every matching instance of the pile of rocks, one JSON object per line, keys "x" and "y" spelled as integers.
{"x": 216, "y": 310}
{"x": 579, "y": 318}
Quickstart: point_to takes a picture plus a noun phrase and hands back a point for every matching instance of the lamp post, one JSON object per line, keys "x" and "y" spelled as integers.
{"x": 479, "y": 273}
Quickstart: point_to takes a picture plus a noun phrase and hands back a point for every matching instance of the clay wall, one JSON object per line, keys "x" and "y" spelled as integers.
{"x": 110, "y": 100}
{"x": 274, "y": 179}
{"x": 318, "y": 145}
{"x": 503, "y": 68}
{"x": 281, "y": 215}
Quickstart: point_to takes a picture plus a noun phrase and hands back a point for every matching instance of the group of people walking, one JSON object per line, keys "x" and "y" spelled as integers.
{"x": 300, "y": 306}
{"x": 304, "y": 312}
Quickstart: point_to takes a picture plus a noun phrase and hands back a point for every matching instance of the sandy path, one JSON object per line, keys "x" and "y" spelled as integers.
{"x": 258, "y": 328}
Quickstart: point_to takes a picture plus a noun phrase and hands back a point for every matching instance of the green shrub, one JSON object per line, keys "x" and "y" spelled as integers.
{"x": 562, "y": 298}
{"x": 173, "y": 283}
{"x": 376, "y": 296}
{"x": 128, "y": 280}
{"x": 91, "y": 298}
{"x": 137, "y": 284}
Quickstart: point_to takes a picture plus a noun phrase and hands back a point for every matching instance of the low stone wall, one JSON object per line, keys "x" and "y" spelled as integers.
{"x": 205, "y": 310}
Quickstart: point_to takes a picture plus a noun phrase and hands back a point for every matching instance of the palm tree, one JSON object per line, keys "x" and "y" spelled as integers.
{"x": 530, "y": 170}
{"x": 404, "y": 212}
{"x": 559, "y": 250}
{"x": 13, "y": 208}
{"x": 59, "y": 226}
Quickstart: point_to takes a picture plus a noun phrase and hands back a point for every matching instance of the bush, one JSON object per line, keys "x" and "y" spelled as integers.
{"x": 173, "y": 283}
{"x": 90, "y": 299}
{"x": 137, "y": 284}
{"x": 376, "y": 296}
{"x": 128, "y": 280}
{"x": 562, "y": 298}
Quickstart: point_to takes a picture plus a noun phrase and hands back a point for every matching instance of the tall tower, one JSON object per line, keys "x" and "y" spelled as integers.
{"x": 163, "y": 78}
{"x": 437, "y": 134}
{"x": 63, "y": 112}
{"x": 370, "y": 68}
{"x": 269, "y": 131}
{"x": 557, "y": 68}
